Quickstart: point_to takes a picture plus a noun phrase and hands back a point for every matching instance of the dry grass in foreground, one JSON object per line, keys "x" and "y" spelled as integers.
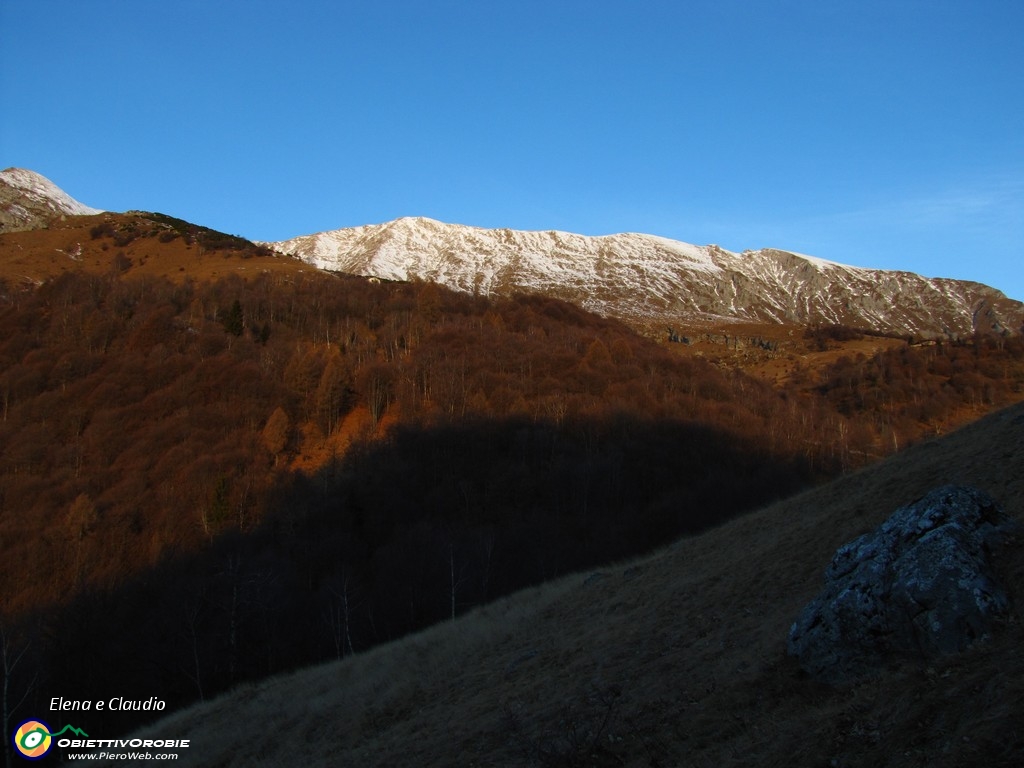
{"x": 674, "y": 660}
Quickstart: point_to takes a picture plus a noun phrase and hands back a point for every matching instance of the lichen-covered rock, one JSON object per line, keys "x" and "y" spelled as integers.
{"x": 921, "y": 585}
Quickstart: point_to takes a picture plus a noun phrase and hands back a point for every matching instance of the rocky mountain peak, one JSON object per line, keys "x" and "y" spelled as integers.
{"x": 29, "y": 200}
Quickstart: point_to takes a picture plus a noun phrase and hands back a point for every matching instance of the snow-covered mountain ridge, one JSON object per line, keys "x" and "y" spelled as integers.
{"x": 28, "y": 200}
{"x": 649, "y": 280}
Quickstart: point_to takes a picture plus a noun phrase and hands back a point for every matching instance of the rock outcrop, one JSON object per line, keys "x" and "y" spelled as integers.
{"x": 920, "y": 586}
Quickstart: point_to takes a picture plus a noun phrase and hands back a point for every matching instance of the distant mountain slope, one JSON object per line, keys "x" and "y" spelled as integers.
{"x": 648, "y": 281}
{"x": 655, "y": 281}
{"x": 677, "y": 659}
{"x": 29, "y": 200}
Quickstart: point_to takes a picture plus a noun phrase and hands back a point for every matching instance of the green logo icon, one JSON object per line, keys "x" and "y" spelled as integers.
{"x": 33, "y": 739}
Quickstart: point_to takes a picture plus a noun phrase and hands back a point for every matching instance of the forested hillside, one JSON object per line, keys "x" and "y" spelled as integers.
{"x": 207, "y": 482}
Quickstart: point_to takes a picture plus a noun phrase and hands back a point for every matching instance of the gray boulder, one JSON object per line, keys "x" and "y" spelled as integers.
{"x": 919, "y": 586}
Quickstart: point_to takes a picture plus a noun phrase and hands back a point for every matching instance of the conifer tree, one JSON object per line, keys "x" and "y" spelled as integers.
{"x": 233, "y": 322}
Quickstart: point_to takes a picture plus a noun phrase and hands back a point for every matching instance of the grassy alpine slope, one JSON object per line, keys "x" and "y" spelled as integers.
{"x": 674, "y": 660}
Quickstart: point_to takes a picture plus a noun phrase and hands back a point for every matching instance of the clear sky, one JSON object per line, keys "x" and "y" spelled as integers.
{"x": 878, "y": 133}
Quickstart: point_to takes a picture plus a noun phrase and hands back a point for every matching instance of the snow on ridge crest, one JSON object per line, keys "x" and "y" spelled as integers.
{"x": 651, "y": 280}
{"x": 423, "y": 238}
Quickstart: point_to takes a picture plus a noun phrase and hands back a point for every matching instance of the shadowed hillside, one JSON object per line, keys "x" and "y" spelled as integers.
{"x": 676, "y": 659}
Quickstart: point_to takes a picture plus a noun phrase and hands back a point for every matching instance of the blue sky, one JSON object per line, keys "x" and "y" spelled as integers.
{"x": 882, "y": 134}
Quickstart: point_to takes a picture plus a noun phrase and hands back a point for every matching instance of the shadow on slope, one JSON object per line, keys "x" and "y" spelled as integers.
{"x": 403, "y": 532}
{"x": 676, "y": 659}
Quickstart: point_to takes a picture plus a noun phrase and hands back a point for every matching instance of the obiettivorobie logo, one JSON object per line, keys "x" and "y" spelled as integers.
{"x": 33, "y": 740}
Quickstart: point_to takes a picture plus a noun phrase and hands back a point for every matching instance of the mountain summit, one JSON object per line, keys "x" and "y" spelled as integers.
{"x": 28, "y": 200}
{"x": 654, "y": 281}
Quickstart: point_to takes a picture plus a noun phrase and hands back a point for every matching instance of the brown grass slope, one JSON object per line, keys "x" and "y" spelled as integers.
{"x": 677, "y": 659}
{"x": 134, "y": 244}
